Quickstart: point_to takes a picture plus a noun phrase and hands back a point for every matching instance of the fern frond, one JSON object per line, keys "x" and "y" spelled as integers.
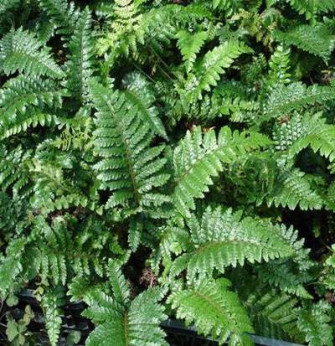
{"x": 121, "y": 322}
{"x": 129, "y": 167}
{"x": 293, "y": 188}
{"x": 274, "y": 315}
{"x": 21, "y": 51}
{"x": 200, "y": 157}
{"x": 318, "y": 135}
{"x": 119, "y": 285}
{"x": 317, "y": 40}
{"x": 62, "y": 14}
{"x": 279, "y": 67}
{"x": 295, "y": 96}
{"x": 214, "y": 310}
{"x": 313, "y": 321}
{"x": 212, "y": 66}
{"x": 139, "y": 93}
{"x": 287, "y": 276}
{"x": 80, "y": 66}
{"x": 26, "y": 101}
{"x": 11, "y": 265}
{"x": 190, "y": 45}
{"x": 223, "y": 239}
{"x": 51, "y": 302}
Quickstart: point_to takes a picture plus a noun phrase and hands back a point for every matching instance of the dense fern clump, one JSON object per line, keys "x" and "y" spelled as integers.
{"x": 169, "y": 159}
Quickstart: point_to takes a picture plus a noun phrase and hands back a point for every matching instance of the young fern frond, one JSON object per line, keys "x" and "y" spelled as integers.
{"x": 201, "y": 156}
{"x": 214, "y": 310}
{"x": 129, "y": 167}
{"x": 79, "y": 66}
{"x": 21, "y": 51}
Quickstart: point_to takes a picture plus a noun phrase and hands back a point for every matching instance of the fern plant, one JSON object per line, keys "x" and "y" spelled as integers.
{"x": 170, "y": 160}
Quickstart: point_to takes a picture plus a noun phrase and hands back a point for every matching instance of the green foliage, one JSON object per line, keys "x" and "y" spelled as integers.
{"x": 51, "y": 302}
{"x": 7, "y": 5}
{"x": 274, "y": 314}
{"x": 199, "y": 157}
{"x": 61, "y": 13}
{"x": 129, "y": 167}
{"x": 312, "y": 7}
{"x": 21, "y": 51}
{"x": 214, "y": 310}
{"x": 80, "y": 66}
{"x": 121, "y": 321}
{"x": 313, "y": 321}
{"x": 168, "y": 159}
{"x": 211, "y": 67}
{"x": 317, "y": 40}
{"x": 224, "y": 239}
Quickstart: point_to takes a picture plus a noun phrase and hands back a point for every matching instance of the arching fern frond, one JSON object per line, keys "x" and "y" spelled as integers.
{"x": 222, "y": 239}
{"x": 21, "y": 51}
{"x": 214, "y": 310}
{"x": 200, "y": 156}
{"x": 129, "y": 168}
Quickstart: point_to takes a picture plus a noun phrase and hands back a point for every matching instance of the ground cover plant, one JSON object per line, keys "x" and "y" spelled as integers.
{"x": 169, "y": 159}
